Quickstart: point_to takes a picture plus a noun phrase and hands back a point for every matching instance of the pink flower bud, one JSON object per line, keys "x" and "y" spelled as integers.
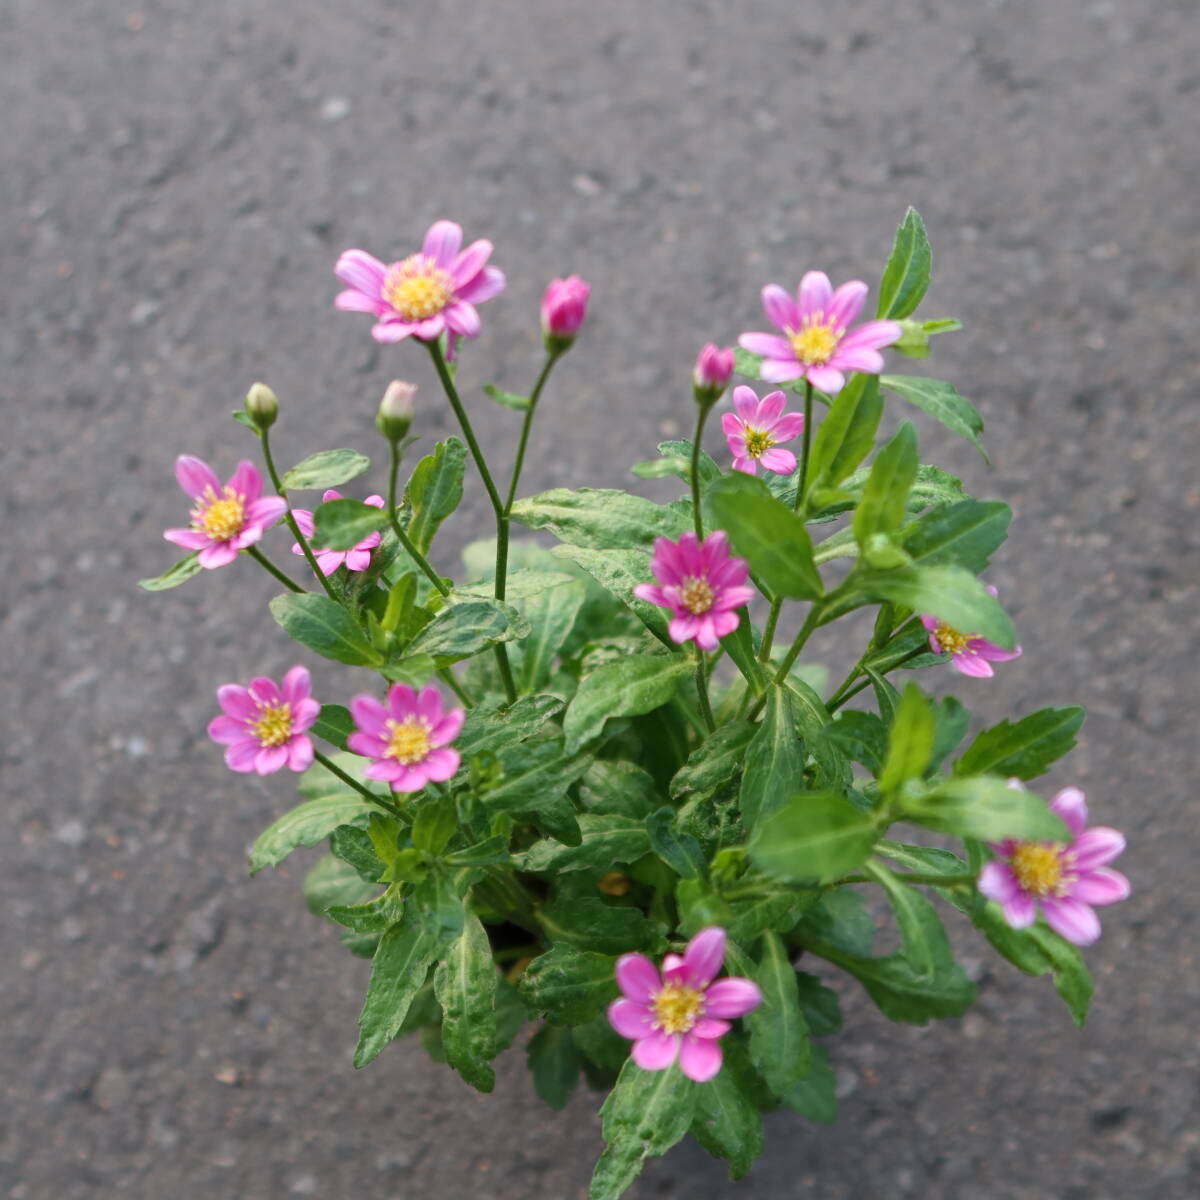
{"x": 710, "y": 378}
{"x": 564, "y": 307}
{"x": 396, "y": 409}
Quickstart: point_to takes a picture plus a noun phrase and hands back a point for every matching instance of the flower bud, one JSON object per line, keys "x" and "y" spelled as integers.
{"x": 710, "y": 378}
{"x": 262, "y": 406}
{"x": 396, "y": 410}
{"x": 564, "y": 307}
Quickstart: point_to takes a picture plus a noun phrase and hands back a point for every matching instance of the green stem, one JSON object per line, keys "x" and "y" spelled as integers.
{"x": 810, "y": 623}
{"x": 447, "y": 677}
{"x": 400, "y": 533}
{"x": 694, "y": 474}
{"x": 366, "y": 793}
{"x": 768, "y": 638}
{"x": 263, "y": 561}
{"x": 702, "y": 687}
{"x": 930, "y": 879}
{"x": 534, "y": 397}
{"x": 288, "y": 516}
{"x": 802, "y": 482}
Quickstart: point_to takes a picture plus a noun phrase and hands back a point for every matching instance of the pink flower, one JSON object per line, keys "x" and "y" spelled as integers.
{"x": 564, "y": 307}
{"x": 969, "y": 653}
{"x": 712, "y": 372}
{"x": 225, "y": 519}
{"x": 426, "y": 294}
{"x": 407, "y": 737}
{"x": 263, "y": 727}
{"x": 357, "y": 558}
{"x": 683, "y": 1013}
{"x": 1065, "y": 879}
{"x": 701, "y": 584}
{"x": 757, "y": 428}
{"x": 815, "y": 344}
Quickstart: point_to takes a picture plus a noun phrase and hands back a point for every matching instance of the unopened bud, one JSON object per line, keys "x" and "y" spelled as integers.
{"x": 712, "y": 373}
{"x": 262, "y": 405}
{"x": 564, "y": 307}
{"x": 396, "y": 410}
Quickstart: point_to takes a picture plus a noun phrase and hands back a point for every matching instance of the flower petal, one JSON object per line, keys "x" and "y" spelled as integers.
{"x": 1070, "y": 805}
{"x": 780, "y": 308}
{"x": 369, "y": 714}
{"x": 226, "y": 730}
{"x": 488, "y": 283}
{"x": 874, "y": 335}
{"x": 630, "y": 1019}
{"x": 1095, "y": 847}
{"x": 700, "y": 1058}
{"x": 448, "y": 728}
{"x": 656, "y": 1052}
{"x": 972, "y": 665}
{"x": 300, "y": 753}
{"x": 1020, "y": 910}
{"x": 355, "y": 301}
{"x": 745, "y": 401}
{"x": 217, "y": 554}
{"x": 390, "y": 332}
{"x": 788, "y": 426}
{"x": 188, "y": 539}
{"x": 826, "y": 379}
{"x": 814, "y": 294}
{"x": 1071, "y": 919}
{"x": 401, "y": 702}
{"x": 776, "y": 370}
{"x": 846, "y": 303}
{"x": 997, "y": 882}
{"x": 781, "y": 462}
{"x": 470, "y": 262}
{"x": 241, "y": 755}
{"x": 732, "y": 996}
{"x": 195, "y": 475}
{"x": 361, "y": 271}
{"x": 442, "y": 243}
{"x": 1102, "y": 886}
{"x": 709, "y": 1027}
{"x": 440, "y": 765}
{"x": 463, "y": 319}
{"x": 769, "y": 345}
{"x": 637, "y": 977}
{"x": 704, "y": 955}
{"x": 270, "y": 759}
{"x": 857, "y": 358}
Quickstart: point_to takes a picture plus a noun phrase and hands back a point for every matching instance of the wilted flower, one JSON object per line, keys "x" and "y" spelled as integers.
{"x": 758, "y": 426}
{"x": 425, "y": 295}
{"x": 357, "y": 558}
{"x": 969, "y": 653}
{"x": 682, "y": 1013}
{"x": 263, "y": 726}
{"x": 407, "y": 738}
{"x": 817, "y": 343}
{"x": 1064, "y": 879}
{"x": 225, "y": 520}
{"x": 701, "y": 584}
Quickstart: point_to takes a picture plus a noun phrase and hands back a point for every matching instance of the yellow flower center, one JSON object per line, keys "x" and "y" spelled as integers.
{"x": 814, "y": 344}
{"x": 1039, "y": 868}
{"x": 409, "y": 741}
{"x": 695, "y": 595}
{"x": 274, "y": 725}
{"x": 950, "y": 640}
{"x": 418, "y": 288}
{"x": 677, "y": 1008}
{"x": 758, "y": 442}
{"x": 221, "y": 517}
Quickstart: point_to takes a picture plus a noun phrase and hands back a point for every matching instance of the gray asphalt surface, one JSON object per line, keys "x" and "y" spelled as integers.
{"x": 178, "y": 180}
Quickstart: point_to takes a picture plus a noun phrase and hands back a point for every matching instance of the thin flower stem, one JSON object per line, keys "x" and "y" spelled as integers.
{"x": 694, "y": 474}
{"x": 398, "y": 530}
{"x": 802, "y": 482}
{"x": 930, "y": 879}
{"x": 768, "y": 638}
{"x": 263, "y": 561}
{"x": 439, "y": 363}
{"x": 288, "y": 516}
{"x": 447, "y": 677}
{"x": 365, "y": 792}
{"x": 526, "y": 425}
{"x": 702, "y": 687}
{"x": 810, "y": 623}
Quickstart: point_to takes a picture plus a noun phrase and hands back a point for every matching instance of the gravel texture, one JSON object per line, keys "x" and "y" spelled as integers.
{"x": 179, "y": 179}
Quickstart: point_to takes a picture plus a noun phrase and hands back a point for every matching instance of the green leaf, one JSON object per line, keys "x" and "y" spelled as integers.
{"x": 660, "y": 468}
{"x": 242, "y": 417}
{"x": 554, "y": 1061}
{"x": 949, "y": 593}
{"x": 915, "y": 335}
{"x": 398, "y": 969}
{"x": 335, "y": 724}
{"x": 619, "y": 572}
{"x": 1024, "y": 749}
{"x": 606, "y": 841}
{"x": 465, "y": 985}
{"x": 494, "y": 728}
{"x": 884, "y": 499}
{"x": 910, "y": 741}
{"x": 307, "y": 825}
{"x": 680, "y": 851}
{"x": 774, "y": 760}
{"x": 376, "y": 915}
{"x": 507, "y": 399}
{"x": 325, "y": 627}
{"x": 940, "y": 400}
{"x": 906, "y": 276}
{"x": 434, "y": 824}
{"x": 536, "y": 777}
{"x": 331, "y": 882}
{"x": 434, "y": 491}
{"x": 569, "y": 986}
{"x": 682, "y": 449}
{"x": 833, "y": 769}
{"x": 847, "y": 433}
{"x": 588, "y": 923}
{"x": 840, "y": 919}
{"x": 551, "y": 614}
{"x": 325, "y": 469}
{"x": 815, "y": 1096}
{"x": 767, "y": 533}
{"x": 342, "y": 524}
{"x": 727, "y": 1122}
{"x": 984, "y": 807}
{"x": 600, "y": 518}
{"x": 815, "y": 837}
{"x": 181, "y": 572}
{"x": 618, "y": 786}
{"x": 492, "y": 851}
{"x": 952, "y": 720}
{"x": 645, "y": 1114}
{"x": 779, "y": 1041}
{"x": 820, "y": 1005}
{"x": 637, "y": 684}
{"x": 714, "y": 761}
{"x": 965, "y": 534}
{"x": 861, "y": 736}
{"x": 463, "y": 629}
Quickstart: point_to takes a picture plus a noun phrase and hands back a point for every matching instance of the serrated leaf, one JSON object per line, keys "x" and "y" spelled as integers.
{"x": 906, "y": 276}
{"x": 181, "y": 572}
{"x": 1024, "y": 749}
{"x": 619, "y": 572}
{"x": 308, "y": 824}
{"x": 619, "y": 786}
{"x": 466, "y": 628}
{"x": 465, "y": 984}
{"x": 588, "y": 923}
{"x": 637, "y": 684}
{"x": 331, "y": 882}
{"x": 814, "y": 838}
{"x": 534, "y": 786}
{"x": 682, "y": 449}
{"x": 434, "y": 491}
{"x": 600, "y": 518}
{"x": 488, "y": 727}
{"x": 325, "y": 627}
{"x": 940, "y": 400}
{"x": 569, "y": 986}
{"x": 965, "y": 534}
{"x": 606, "y": 841}
{"x": 551, "y": 613}
{"x": 861, "y": 736}
{"x": 661, "y": 468}
{"x": 325, "y": 469}
{"x": 984, "y": 807}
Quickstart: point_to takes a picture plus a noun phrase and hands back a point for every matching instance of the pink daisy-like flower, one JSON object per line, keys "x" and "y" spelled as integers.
{"x": 225, "y": 520}
{"x": 969, "y": 653}
{"x": 702, "y": 585}
{"x": 1064, "y": 879}
{"x": 263, "y": 728}
{"x": 425, "y": 295}
{"x": 682, "y": 1013}
{"x": 407, "y": 737}
{"x": 758, "y": 426}
{"x": 357, "y": 558}
{"x": 817, "y": 342}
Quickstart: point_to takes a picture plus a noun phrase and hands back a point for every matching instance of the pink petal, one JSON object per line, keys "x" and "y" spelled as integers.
{"x": 355, "y": 301}
{"x": 329, "y": 560}
{"x": 769, "y": 409}
{"x": 387, "y": 770}
{"x": 226, "y": 730}
{"x": 637, "y": 977}
{"x": 241, "y": 755}
{"x": 414, "y": 778}
{"x": 656, "y": 1052}
{"x": 652, "y": 594}
{"x": 826, "y": 379}
{"x": 930, "y": 623}
{"x": 857, "y": 358}
{"x": 442, "y": 243}
{"x": 813, "y": 295}
{"x": 992, "y": 652}
{"x": 368, "y": 745}
{"x": 997, "y": 882}
{"x": 1020, "y": 910}
{"x": 195, "y": 476}
{"x": 369, "y": 715}
{"x": 300, "y": 753}
{"x": 1071, "y": 920}
{"x": 731, "y": 598}
{"x": 782, "y": 462}
{"x": 774, "y": 370}
{"x": 972, "y": 665}
{"x": 488, "y": 283}
{"x": 402, "y": 702}
{"x": 1102, "y": 886}
{"x": 189, "y": 539}
{"x": 630, "y": 1019}
{"x": 732, "y": 425}
{"x": 390, "y": 332}
{"x": 265, "y": 691}
{"x": 266, "y": 511}
{"x": 304, "y": 714}
{"x": 358, "y": 559}
{"x": 217, "y": 554}
{"x": 745, "y": 401}
{"x": 703, "y": 957}
{"x": 874, "y": 335}
{"x": 788, "y": 426}
{"x": 700, "y": 1058}
{"x": 1094, "y": 847}
{"x": 708, "y": 636}
{"x": 470, "y": 262}
{"x": 430, "y": 329}
{"x": 247, "y": 482}
{"x": 684, "y": 628}
{"x": 448, "y": 728}
{"x": 846, "y": 303}
{"x": 237, "y": 702}
{"x": 1070, "y": 805}
{"x": 296, "y": 685}
{"x": 361, "y": 271}
{"x": 769, "y": 345}
{"x": 304, "y": 519}
{"x": 745, "y": 464}
{"x": 708, "y": 1027}
{"x": 463, "y": 319}
{"x": 780, "y": 308}
{"x": 429, "y": 705}
{"x": 440, "y": 765}
{"x": 731, "y": 997}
